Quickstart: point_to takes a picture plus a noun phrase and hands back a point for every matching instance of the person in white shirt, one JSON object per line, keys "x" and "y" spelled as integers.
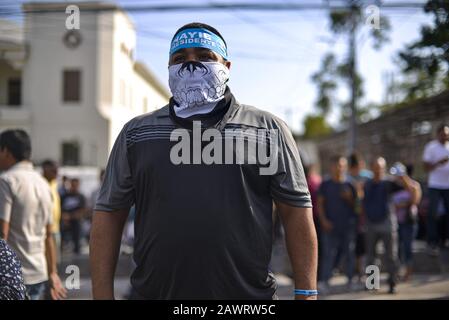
{"x": 436, "y": 163}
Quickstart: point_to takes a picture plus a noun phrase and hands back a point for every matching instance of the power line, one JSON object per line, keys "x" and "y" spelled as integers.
{"x": 216, "y": 6}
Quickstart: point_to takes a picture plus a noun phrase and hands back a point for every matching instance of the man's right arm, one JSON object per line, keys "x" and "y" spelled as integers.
{"x": 429, "y": 161}
{"x": 105, "y": 238}
{"x": 432, "y": 166}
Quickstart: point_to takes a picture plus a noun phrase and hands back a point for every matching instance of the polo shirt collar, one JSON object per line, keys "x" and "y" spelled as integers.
{"x": 24, "y": 165}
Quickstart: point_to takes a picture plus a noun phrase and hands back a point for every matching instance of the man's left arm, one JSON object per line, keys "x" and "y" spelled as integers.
{"x": 413, "y": 187}
{"x": 302, "y": 246}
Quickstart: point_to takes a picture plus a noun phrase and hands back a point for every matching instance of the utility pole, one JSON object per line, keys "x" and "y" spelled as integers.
{"x": 352, "y": 129}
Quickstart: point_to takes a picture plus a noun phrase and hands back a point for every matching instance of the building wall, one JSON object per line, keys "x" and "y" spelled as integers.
{"x": 398, "y": 135}
{"x": 112, "y": 91}
{"x": 53, "y": 120}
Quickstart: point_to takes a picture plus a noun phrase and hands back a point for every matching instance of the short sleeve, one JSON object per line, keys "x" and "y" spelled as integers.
{"x": 6, "y": 198}
{"x": 427, "y": 154}
{"x": 117, "y": 189}
{"x": 288, "y": 184}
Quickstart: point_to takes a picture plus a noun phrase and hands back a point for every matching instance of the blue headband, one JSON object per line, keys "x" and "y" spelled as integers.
{"x": 199, "y": 38}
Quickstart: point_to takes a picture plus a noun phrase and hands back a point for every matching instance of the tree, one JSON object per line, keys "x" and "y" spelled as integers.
{"x": 326, "y": 84}
{"x": 425, "y": 63}
{"x": 315, "y": 126}
{"x": 347, "y": 22}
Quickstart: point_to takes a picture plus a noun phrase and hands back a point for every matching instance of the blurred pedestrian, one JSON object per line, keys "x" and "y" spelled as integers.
{"x": 406, "y": 209}
{"x": 64, "y": 186}
{"x": 381, "y": 223}
{"x": 50, "y": 173}
{"x": 436, "y": 163}
{"x": 336, "y": 205}
{"x": 357, "y": 176}
{"x": 73, "y": 206}
{"x": 11, "y": 279}
{"x": 26, "y": 215}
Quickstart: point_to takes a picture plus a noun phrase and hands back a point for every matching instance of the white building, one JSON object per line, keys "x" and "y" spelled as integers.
{"x": 73, "y": 90}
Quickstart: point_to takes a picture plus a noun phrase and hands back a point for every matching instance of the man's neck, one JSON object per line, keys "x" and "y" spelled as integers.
{"x": 338, "y": 178}
{"x": 11, "y": 164}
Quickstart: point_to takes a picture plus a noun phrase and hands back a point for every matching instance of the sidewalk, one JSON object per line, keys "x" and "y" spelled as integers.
{"x": 420, "y": 287}
{"x": 432, "y": 284}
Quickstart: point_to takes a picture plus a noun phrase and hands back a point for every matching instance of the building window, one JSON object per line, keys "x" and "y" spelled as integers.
{"x": 72, "y": 85}
{"x": 70, "y": 153}
{"x": 14, "y": 91}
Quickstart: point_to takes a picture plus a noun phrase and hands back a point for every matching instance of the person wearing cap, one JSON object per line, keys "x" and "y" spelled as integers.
{"x": 203, "y": 221}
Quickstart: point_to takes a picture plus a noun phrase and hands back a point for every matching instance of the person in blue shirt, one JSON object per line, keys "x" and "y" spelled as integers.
{"x": 336, "y": 205}
{"x": 381, "y": 223}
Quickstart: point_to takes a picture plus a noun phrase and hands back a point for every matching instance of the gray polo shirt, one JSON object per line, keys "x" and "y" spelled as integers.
{"x": 26, "y": 204}
{"x": 202, "y": 231}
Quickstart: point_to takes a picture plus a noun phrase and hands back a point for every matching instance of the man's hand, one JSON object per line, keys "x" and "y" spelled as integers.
{"x": 57, "y": 290}
{"x": 432, "y": 166}
{"x": 301, "y": 297}
{"x": 443, "y": 161}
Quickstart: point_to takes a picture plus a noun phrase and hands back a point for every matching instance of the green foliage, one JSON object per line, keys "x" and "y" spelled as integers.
{"x": 326, "y": 84}
{"x": 331, "y": 74}
{"x": 315, "y": 126}
{"x": 425, "y": 63}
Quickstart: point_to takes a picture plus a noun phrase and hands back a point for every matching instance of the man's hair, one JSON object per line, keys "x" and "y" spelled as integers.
{"x": 17, "y": 142}
{"x": 336, "y": 158}
{"x": 194, "y": 25}
{"x": 354, "y": 159}
{"x": 376, "y": 159}
{"x": 441, "y": 127}
{"x": 410, "y": 169}
{"x": 49, "y": 163}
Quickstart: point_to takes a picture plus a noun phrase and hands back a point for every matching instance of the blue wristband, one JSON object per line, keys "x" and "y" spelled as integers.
{"x": 306, "y": 292}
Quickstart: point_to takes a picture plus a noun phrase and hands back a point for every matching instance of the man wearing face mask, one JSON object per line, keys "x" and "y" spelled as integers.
{"x": 202, "y": 231}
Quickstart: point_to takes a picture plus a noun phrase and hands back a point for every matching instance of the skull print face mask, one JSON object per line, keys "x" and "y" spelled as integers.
{"x": 197, "y": 87}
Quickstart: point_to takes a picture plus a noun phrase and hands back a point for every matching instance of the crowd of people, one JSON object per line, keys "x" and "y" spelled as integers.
{"x": 39, "y": 221}
{"x": 356, "y": 208}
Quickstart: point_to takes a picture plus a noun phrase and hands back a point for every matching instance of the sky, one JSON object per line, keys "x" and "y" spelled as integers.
{"x": 274, "y": 53}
